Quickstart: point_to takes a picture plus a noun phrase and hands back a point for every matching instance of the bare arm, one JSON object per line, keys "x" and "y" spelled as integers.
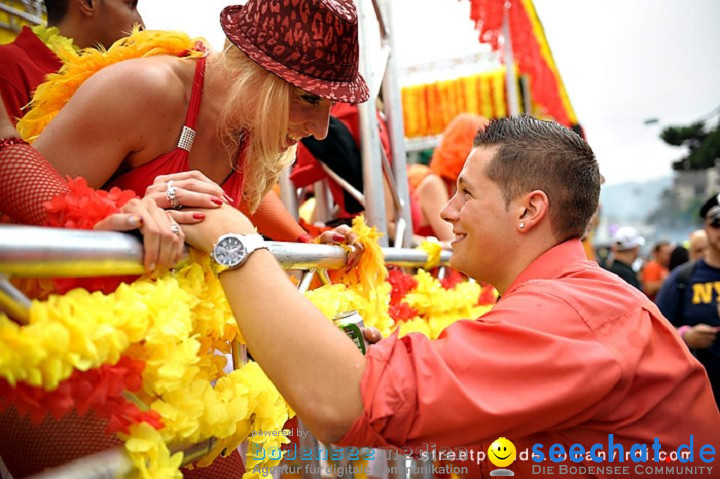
{"x": 113, "y": 117}
{"x": 313, "y": 364}
{"x": 433, "y": 198}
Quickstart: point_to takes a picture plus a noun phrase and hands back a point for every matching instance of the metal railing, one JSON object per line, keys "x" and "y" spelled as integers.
{"x": 29, "y": 251}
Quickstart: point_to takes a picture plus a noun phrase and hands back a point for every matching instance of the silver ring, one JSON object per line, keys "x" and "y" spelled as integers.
{"x": 175, "y": 228}
{"x": 170, "y": 194}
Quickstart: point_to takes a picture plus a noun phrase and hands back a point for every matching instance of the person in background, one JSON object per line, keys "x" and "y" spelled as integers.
{"x": 433, "y": 191}
{"x": 625, "y": 250}
{"x": 690, "y": 300}
{"x": 569, "y": 354}
{"x": 71, "y": 24}
{"x": 680, "y": 255}
{"x": 657, "y": 269}
{"x": 698, "y": 244}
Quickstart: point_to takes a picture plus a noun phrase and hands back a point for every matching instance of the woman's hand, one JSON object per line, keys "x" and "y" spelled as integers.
{"x": 163, "y": 239}
{"x": 187, "y": 189}
{"x": 343, "y": 234}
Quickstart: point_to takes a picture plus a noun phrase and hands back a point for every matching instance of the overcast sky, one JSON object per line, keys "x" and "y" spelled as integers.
{"x": 622, "y": 61}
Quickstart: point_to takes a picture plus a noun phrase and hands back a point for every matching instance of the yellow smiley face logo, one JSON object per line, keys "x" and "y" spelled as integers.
{"x": 502, "y": 452}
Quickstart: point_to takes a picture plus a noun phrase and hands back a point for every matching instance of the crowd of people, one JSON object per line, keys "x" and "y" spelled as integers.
{"x": 570, "y": 354}
{"x": 680, "y": 279}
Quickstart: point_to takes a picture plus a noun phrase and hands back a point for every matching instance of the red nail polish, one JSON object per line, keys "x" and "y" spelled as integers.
{"x": 305, "y": 238}
{"x": 216, "y": 200}
{"x": 338, "y": 237}
{"x": 199, "y": 216}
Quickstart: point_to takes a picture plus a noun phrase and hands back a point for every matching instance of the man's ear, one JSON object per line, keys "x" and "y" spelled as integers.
{"x": 86, "y": 7}
{"x": 533, "y": 207}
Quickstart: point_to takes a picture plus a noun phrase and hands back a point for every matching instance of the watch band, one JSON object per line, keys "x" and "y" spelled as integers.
{"x": 251, "y": 242}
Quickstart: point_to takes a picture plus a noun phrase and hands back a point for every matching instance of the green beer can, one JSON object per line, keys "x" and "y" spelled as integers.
{"x": 351, "y": 322}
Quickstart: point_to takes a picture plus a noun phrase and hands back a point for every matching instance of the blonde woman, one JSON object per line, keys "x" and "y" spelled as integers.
{"x": 235, "y": 115}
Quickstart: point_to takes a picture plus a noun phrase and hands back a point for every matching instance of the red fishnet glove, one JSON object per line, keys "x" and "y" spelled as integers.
{"x": 26, "y": 181}
{"x": 274, "y": 220}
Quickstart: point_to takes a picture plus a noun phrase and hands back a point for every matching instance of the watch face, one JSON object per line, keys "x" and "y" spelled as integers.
{"x": 229, "y": 251}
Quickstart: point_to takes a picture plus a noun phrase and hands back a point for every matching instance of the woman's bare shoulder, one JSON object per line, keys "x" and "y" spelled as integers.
{"x": 155, "y": 82}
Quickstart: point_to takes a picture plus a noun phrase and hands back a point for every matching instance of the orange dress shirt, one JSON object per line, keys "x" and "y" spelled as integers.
{"x": 570, "y": 354}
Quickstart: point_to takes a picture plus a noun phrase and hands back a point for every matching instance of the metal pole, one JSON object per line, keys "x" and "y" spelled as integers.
{"x": 287, "y": 193}
{"x": 32, "y": 251}
{"x": 114, "y": 463}
{"x": 370, "y": 140}
{"x": 511, "y": 84}
{"x": 396, "y": 127}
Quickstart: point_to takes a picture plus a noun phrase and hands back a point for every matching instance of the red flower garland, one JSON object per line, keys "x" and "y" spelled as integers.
{"x": 82, "y": 208}
{"x": 99, "y": 389}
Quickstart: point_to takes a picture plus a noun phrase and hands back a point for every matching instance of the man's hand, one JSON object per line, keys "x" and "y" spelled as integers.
{"x": 372, "y": 335}
{"x": 701, "y": 336}
{"x": 217, "y": 222}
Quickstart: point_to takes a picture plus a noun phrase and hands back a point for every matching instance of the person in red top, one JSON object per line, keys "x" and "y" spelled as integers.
{"x": 570, "y": 355}
{"x": 431, "y": 194}
{"x": 234, "y": 115}
{"x": 27, "y": 60}
{"x": 657, "y": 269}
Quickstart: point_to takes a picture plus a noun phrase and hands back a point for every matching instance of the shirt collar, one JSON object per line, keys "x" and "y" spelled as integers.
{"x": 550, "y": 263}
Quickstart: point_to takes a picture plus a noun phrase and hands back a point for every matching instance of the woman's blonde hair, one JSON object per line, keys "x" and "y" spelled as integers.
{"x": 255, "y": 118}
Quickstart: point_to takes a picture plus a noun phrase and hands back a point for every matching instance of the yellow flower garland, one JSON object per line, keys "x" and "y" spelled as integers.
{"x": 160, "y": 322}
{"x": 437, "y": 307}
{"x": 175, "y": 325}
{"x": 61, "y": 46}
{"x": 433, "y": 250}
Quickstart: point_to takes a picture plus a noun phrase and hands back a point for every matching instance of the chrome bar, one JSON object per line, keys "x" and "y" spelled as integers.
{"x": 344, "y": 184}
{"x": 14, "y": 302}
{"x": 34, "y": 19}
{"x": 114, "y": 463}
{"x": 288, "y": 193}
{"x": 31, "y": 251}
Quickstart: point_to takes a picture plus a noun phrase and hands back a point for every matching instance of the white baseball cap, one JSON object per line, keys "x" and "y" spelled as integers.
{"x": 627, "y": 237}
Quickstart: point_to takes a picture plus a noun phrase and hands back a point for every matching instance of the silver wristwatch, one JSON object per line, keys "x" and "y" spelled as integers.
{"x": 232, "y": 250}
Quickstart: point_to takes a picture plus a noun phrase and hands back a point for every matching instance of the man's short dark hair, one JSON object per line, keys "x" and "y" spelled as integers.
{"x": 56, "y": 10}
{"x": 542, "y": 155}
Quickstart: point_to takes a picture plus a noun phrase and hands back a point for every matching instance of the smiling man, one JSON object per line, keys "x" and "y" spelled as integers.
{"x": 569, "y": 355}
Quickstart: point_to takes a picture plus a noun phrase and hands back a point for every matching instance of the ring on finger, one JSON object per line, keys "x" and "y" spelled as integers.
{"x": 175, "y": 228}
{"x": 171, "y": 195}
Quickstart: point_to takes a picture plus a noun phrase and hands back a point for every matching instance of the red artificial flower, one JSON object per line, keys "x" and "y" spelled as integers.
{"x": 82, "y": 208}
{"x": 401, "y": 283}
{"x": 487, "y": 295}
{"x": 100, "y": 390}
{"x": 402, "y": 312}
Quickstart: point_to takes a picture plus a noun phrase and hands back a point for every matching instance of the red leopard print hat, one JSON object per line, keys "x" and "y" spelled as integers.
{"x": 312, "y": 44}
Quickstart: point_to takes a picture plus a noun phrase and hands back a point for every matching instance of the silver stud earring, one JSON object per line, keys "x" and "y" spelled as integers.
{"x": 522, "y": 225}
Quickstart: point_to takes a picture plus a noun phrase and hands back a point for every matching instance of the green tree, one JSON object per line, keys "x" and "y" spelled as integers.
{"x": 702, "y": 142}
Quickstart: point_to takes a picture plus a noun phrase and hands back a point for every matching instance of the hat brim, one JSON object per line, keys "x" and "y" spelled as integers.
{"x": 352, "y": 92}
